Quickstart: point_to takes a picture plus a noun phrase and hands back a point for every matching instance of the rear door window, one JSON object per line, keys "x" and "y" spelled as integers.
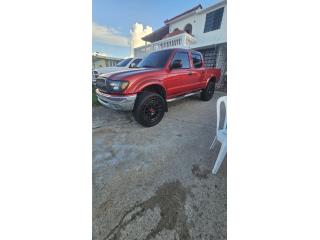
{"x": 197, "y": 60}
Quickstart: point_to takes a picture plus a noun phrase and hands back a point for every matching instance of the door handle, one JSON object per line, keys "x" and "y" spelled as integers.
{"x": 190, "y": 73}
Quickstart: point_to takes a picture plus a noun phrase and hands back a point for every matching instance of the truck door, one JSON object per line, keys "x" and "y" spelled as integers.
{"x": 198, "y": 70}
{"x": 180, "y": 79}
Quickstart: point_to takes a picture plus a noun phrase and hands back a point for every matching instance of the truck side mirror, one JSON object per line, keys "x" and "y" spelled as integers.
{"x": 176, "y": 64}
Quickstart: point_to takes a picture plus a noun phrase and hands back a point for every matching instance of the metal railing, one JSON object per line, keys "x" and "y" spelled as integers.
{"x": 183, "y": 40}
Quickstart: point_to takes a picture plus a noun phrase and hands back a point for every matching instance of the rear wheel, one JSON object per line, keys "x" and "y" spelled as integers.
{"x": 207, "y": 93}
{"x": 149, "y": 109}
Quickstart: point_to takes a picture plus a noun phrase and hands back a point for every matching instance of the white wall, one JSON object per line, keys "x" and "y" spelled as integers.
{"x": 104, "y": 63}
{"x": 198, "y": 21}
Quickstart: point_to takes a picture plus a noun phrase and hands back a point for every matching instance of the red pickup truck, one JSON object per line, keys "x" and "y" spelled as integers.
{"x": 162, "y": 77}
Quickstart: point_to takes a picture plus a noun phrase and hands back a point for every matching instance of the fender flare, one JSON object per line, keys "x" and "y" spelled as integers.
{"x": 147, "y": 83}
{"x": 214, "y": 77}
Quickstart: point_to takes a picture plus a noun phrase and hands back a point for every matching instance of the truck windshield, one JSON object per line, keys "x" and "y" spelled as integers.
{"x": 156, "y": 59}
{"x": 124, "y": 62}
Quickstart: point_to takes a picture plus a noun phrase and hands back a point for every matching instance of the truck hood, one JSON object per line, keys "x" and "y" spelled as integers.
{"x": 127, "y": 74}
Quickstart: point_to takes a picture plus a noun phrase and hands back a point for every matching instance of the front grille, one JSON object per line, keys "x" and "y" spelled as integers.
{"x": 103, "y": 85}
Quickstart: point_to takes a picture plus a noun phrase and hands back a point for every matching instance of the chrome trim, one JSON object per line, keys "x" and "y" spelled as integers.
{"x": 123, "y": 103}
{"x": 183, "y": 96}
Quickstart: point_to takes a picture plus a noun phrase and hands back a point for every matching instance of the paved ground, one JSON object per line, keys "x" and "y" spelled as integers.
{"x": 156, "y": 183}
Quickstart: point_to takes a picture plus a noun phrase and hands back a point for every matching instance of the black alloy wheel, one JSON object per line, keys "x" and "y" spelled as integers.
{"x": 149, "y": 109}
{"x": 207, "y": 93}
{"x": 153, "y": 109}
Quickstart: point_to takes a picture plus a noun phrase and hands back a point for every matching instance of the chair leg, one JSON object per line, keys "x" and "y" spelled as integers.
{"x": 221, "y": 155}
{"x": 213, "y": 142}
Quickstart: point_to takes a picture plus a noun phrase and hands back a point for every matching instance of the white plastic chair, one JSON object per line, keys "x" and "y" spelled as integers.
{"x": 221, "y": 135}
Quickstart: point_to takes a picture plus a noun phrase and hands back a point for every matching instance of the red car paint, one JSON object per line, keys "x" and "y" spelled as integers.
{"x": 175, "y": 82}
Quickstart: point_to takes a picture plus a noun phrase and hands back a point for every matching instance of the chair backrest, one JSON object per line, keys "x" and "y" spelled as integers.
{"x": 219, "y": 101}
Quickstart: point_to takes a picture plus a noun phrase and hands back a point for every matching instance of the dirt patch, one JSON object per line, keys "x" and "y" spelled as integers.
{"x": 201, "y": 174}
{"x": 170, "y": 198}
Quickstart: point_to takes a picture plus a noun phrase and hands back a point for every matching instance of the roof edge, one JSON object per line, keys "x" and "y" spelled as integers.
{"x": 214, "y": 6}
{"x": 199, "y": 6}
{"x": 196, "y": 10}
{"x": 164, "y": 28}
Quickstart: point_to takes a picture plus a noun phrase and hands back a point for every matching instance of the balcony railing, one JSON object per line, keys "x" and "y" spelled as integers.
{"x": 183, "y": 40}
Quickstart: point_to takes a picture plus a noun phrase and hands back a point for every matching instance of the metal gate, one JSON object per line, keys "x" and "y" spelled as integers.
{"x": 217, "y": 57}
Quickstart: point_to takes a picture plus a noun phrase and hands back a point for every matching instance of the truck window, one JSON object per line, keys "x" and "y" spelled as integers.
{"x": 124, "y": 62}
{"x": 136, "y": 62}
{"x": 197, "y": 60}
{"x": 183, "y": 57}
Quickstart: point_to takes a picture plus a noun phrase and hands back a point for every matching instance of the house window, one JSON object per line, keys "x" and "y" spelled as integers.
{"x": 188, "y": 28}
{"x": 213, "y": 20}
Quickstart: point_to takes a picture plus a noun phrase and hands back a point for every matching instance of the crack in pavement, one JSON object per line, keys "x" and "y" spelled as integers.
{"x": 170, "y": 198}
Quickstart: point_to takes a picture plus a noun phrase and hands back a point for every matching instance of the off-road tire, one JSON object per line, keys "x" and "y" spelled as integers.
{"x": 207, "y": 93}
{"x": 149, "y": 109}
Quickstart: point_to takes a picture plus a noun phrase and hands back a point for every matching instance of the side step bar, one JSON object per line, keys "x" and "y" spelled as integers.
{"x": 183, "y": 96}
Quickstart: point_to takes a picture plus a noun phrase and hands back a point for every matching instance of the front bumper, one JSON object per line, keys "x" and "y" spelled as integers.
{"x": 123, "y": 103}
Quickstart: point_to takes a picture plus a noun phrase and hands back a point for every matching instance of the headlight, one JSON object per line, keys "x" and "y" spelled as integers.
{"x": 118, "y": 86}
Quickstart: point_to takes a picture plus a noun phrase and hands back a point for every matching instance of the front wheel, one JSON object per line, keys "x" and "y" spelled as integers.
{"x": 149, "y": 109}
{"x": 207, "y": 93}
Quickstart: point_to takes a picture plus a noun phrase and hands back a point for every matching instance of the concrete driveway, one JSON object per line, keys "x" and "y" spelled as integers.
{"x": 156, "y": 183}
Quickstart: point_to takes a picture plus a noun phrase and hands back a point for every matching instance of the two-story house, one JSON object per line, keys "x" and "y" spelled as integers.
{"x": 202, "y": 29}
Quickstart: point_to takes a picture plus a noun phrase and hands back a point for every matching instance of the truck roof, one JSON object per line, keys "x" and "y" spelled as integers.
{"x": 179, "y": 49}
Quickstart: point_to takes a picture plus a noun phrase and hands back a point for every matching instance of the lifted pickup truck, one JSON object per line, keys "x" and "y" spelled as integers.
{"x": 162, "y": 77}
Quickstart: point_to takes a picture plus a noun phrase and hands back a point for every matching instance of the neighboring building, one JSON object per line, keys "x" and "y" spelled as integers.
{"x": 201, "y": 29}
{"x": 101, "y": 60}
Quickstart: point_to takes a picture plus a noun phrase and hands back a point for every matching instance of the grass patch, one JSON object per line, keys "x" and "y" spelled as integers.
{"x": 95, "y": 102}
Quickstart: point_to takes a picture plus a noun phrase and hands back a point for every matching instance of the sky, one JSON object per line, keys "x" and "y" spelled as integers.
{"x": 113, "y": 21}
